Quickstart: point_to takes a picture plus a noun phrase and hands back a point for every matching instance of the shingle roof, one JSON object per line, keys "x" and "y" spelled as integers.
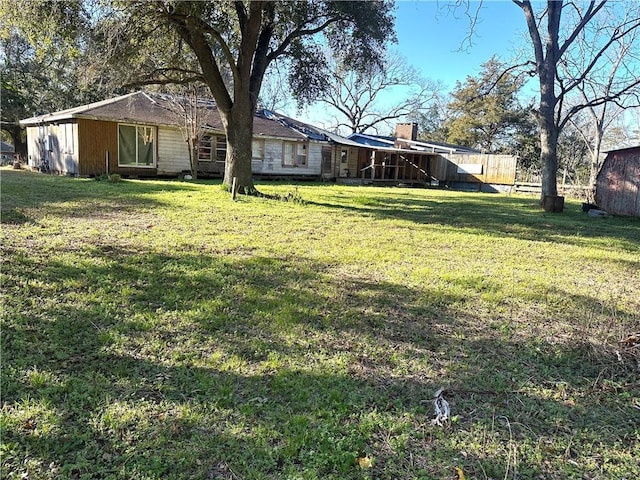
{"x": 161, "y": 109}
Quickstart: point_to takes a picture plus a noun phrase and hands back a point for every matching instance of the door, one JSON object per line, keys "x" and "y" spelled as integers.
{"x": 326, "y": 162}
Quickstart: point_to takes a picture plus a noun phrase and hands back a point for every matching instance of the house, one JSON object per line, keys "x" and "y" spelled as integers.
{"x": 7, "y": 153}
{"x": 618, "y": 182}
{"x": 403, "y": 156}
{"x": 139, "y": 135}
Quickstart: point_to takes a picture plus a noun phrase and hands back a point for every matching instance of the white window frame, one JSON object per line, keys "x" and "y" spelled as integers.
{"x": 219, "y": 149}
{"x": 210, "y": 139}
{"x": 257, "y": 144}
{"x": 297, "y": 148}
{"x": 154, "y": 131}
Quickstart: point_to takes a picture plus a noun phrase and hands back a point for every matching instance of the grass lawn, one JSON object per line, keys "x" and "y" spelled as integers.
{"x": 159, "y": 330}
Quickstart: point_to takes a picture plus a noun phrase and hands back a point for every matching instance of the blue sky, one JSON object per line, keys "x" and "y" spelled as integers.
{"x": 434, "y": 39}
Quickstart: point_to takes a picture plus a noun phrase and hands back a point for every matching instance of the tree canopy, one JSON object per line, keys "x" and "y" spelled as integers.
{"x": 229, "y": 46}
{"x": 485, "y": 112}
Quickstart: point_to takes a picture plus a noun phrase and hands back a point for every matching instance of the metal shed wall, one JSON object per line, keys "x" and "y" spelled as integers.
{"x": 618, "y": 183}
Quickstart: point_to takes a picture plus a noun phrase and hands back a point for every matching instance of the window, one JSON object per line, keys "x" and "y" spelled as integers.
{"x": 302, "y": 154}
{"x": 204, "y": 149}
{"x": 212, "y": 148}
{"x": 257, "y": 150}
{"x": 288, "y": 154}
{"x": 294, "y": 154}
{"x": 67, "y": 138}
{"x": 344, "y": 155}
{"x": 221, "y": 149}
{"x": 136, "y": 146}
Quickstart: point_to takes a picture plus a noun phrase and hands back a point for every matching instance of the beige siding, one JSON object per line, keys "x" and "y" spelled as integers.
{"x": 173, "y": 152}
{"x": 314, "y": 165}
{"x": 57, "y": 143}
{"x": 350, "y": 168}
{"x": 34, "y": 149}
{"x": 273, "y": 157}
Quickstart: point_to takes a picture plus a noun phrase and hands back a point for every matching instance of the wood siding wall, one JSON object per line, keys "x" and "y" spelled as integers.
{"x": 496, "y": 169}
{"x": 618, "y": 183}
{"x": 96, "y": 138}
{"x": 34, "y": 151}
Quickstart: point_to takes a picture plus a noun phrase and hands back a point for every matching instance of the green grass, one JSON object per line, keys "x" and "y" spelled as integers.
{"x": 157, "y": 329}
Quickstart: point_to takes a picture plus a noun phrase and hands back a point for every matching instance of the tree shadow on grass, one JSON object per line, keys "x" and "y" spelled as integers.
{"x": 77, "y": 197}
{"x": 497, "y": 215}
{"x": 204, "y": 366}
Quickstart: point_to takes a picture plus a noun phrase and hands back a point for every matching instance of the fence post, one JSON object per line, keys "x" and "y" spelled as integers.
{"x": 233, "y": 188}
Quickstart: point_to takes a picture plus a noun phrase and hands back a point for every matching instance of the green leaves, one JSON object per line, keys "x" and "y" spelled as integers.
{"x": 485, "y": 109}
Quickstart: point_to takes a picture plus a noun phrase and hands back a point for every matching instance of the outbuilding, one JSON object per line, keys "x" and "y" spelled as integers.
{"x": 618, "y": 182}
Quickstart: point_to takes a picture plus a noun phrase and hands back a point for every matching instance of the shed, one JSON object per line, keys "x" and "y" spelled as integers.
{"x": 618, "y": 182}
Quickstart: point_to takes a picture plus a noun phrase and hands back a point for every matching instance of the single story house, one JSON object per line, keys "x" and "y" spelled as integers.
{"x": 140, "y": 135}
{"x": 618, "y": 182}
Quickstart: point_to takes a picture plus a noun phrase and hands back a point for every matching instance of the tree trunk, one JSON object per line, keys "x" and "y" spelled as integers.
{"x": 239, "y": 129}
{"x": 549, "y": 130}
{"x": 548, "y": 153}
{"x": 595, "y": 164}
{"x": 193, "y": 153}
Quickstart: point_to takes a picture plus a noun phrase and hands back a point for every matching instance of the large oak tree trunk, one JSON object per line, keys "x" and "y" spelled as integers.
{"x": 549, "y": 130}
{"x": 239, "y": 128}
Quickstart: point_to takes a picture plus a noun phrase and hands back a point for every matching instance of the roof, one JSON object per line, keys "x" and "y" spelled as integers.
{"x": 160, "y": 109}
{"x": 6, "y": 147}
{"x": 623, "y": 149}
{"x": 425, "y": 146}
{"x": 310, "y": 131}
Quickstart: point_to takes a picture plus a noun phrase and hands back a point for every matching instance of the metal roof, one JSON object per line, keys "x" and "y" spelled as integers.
{"x": 415, "y": 145}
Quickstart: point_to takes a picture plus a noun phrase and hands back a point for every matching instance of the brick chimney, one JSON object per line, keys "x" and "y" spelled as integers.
{"x": 407, "y": 131}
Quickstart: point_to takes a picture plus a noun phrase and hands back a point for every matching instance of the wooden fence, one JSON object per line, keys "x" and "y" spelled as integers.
{"x": 575, "y": 191}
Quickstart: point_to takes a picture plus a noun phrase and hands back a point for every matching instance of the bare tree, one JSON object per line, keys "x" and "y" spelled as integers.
{"x": 355, "y": 96}
{"x": 598, "y": 119}
{"x": 192, "y": 108}
{"x": 556, "y": 45}
{"x": 275, "y": 95}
